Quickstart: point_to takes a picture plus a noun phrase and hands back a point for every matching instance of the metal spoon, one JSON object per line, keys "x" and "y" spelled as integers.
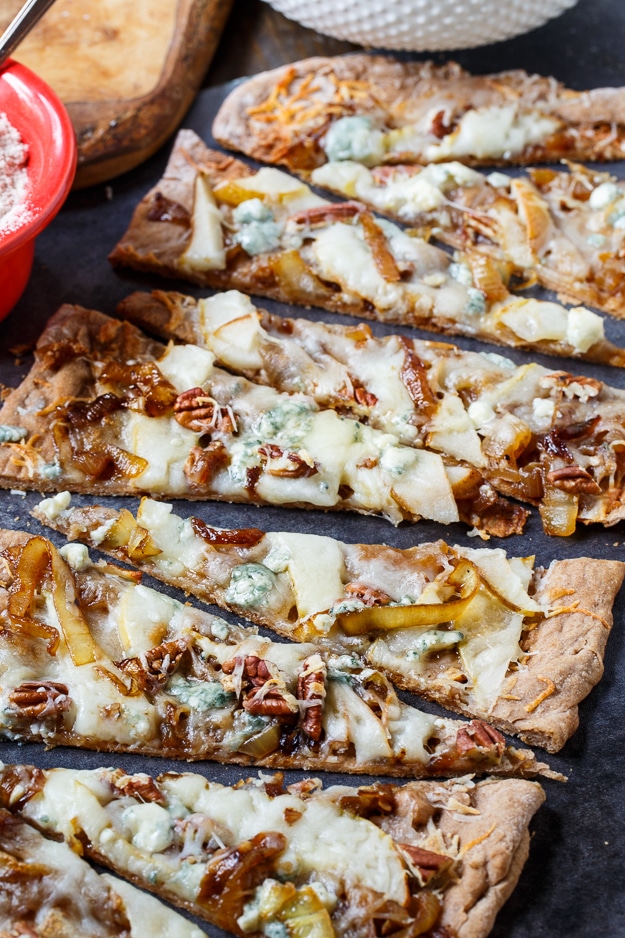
{"x": 31, "y": 13}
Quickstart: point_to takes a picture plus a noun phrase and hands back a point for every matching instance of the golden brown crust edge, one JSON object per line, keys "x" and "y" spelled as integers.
{"x": 539, "y": 702}
{"x": 491, "y": 868}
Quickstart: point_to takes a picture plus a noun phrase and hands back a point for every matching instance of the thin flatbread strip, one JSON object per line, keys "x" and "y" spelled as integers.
{"x": 214, "y": 221}
{"x": 47, "y": 890}
{"x": 517, "y": 646}
{"x": 442, "y": 856}
{"x": 106, "y": 410}
{"x": 549, "y": 438}
{"x": 416, "y": 112}
{"x": 564, "y": 228}
{"x": 101, "y": 662}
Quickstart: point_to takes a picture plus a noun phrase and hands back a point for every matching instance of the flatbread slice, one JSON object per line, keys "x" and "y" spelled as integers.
{"x": 477, "y": 631}
{"x": 47, "y": 891}
{"x": 93, "y": 659}
{"x": 548, "y": 438}
{"x": 107, "y": 410}
{"x": 380, "y": 110}
{"x": 436, "y": 859}
{"x": 214, "y": 221}
{"x": 564, "y": 228}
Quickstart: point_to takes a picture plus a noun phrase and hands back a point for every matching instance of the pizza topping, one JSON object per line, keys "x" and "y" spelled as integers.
{"x": 242, "y": 537}
{"x": 201, "y": 696}
{"x": 40, "y": 699}
{"x": 573, "y": 479}
{"x": 164, "y": 209}
{"x": 204, "y": 463}
{"x": 431, "y": 641}
{"x": 144, "y": 386}
{"x": 382, "y": 256}
{"x": 277, "y": 462}
{"x": 249, "y": 584}
{"x": 156, "y": 665}
{"x": 311, "y": 690}
{"x": 139, "y": 786}
{"x": 354, "y": 138}
{"x": 197, "y": 411}
{"x": 257, "y": 232}
{"x": 463, "y": 580}
{"x": 205, "y": 249}
{"x": 480, "y": 741}
{"x": 426, "y": 864}
{"x": 234, "y": 872}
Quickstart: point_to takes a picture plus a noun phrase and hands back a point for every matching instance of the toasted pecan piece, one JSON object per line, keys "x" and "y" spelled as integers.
{"x": 40, "y": 699}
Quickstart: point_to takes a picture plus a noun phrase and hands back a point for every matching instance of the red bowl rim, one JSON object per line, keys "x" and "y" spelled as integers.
{"x": 60, "y": 178}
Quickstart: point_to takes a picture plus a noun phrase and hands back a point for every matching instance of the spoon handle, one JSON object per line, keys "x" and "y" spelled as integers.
{"x": 22, "y": 23}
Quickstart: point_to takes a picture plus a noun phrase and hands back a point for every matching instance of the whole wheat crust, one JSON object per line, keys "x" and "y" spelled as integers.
{"x": 400, "y": 92}
{"x": 539, "y": 701}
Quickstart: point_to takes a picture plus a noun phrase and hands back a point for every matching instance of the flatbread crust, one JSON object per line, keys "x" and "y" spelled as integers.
{"x": 563, "y": 652}
{"x": 157, "y": 239}
{"x": 323, "y": 359}
{"x": 185, "y": 706}
{"x": 488, "y": 822}
{"x": 556, "y": 225}
{"x": 74, "y": 347}
{"x": 399, "y": 93}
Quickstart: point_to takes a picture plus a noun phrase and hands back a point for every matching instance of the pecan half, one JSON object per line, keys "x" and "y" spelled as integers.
{"x": 255, "y": 669}
{"x": 286, "y": 464}
{"x": 196, "y": 410}
{"x": 40, "y": 699}
{"x": 572, "y": 385}
{"x": 426, "y": 863}
{"x": 575, "y": 480}
{"x": 140, "y": 786}
{"x": 203, "y": 464}
{"x": 479, "y": 740}
{"x": 268, "y": 695}
{"x": 311, "y": 687}
{"x": 367, "y": 594}
{"x": 157, "y": 665}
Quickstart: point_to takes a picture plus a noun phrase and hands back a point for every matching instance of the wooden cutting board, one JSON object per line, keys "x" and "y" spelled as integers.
{"x": 127, "y": 70}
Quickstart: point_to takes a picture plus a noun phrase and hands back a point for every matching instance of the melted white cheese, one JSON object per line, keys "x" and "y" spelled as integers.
{"x": 186, "y": 366}
{"x": 494, "y": 132}
{"x": 315, "y": 565}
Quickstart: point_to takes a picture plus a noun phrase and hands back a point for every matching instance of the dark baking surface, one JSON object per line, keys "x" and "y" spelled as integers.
{"x": 570, "y": 885}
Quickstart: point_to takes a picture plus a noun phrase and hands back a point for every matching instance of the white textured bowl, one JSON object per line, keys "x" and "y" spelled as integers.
{"x": 422, "y": 25}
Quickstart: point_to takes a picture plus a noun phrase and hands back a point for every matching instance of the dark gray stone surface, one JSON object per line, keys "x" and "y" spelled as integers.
{"x": 573, "y": 882}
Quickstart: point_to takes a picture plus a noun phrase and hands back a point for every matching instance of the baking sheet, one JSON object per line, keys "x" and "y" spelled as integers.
{"x": 570, "y": 883}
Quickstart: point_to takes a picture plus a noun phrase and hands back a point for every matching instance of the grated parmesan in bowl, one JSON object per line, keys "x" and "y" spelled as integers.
{"x": 38, "y": 156}
{"x": 14, "y": 209}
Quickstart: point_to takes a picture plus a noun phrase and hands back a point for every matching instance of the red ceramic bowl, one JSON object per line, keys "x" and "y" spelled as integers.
{"x": 44, "y": 125}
